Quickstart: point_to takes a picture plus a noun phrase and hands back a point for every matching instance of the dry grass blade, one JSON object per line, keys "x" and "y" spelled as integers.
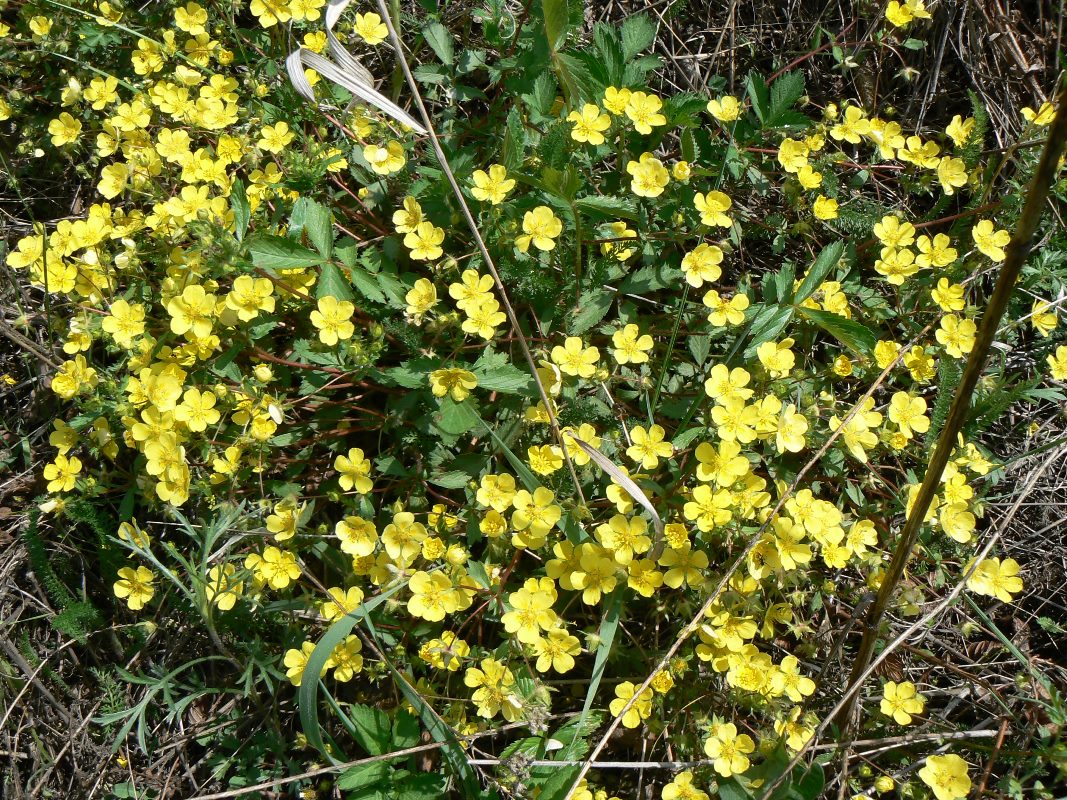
{"x": 627, "y": 483}
{"x": 348, "y": 72}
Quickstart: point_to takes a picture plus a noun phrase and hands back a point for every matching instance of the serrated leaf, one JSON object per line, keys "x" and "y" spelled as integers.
{"x": 440, "y": 41}
{"x": 317, "y": 222}
{"x": 558, "y": 785}
{"x": 856, "y": 337}
{"x": 609, "y": 49}
{"x": 372, "y": 728}
{"x": 766, "y": 324}
{"x": 507, "y": 379}
{"x": 275, "y": 253}
{"x": 364, "y": 776}
{"x": 593, "y": 305}
{"x": 242, "y": 211}
{"x": 785, "y": 92}
{"x": 557, "y": 17}
{"x": 637, "y": 33}
{"x": 758, "y": 94}
{"x": 332, "y": 283}
{"x": 651, "y": 278}
{"x": 456, "y": 419}
{"x": 367, "y": 285}
{"x": 453, "y": 479}
{"x": 607, "y": 207}
{"x": 824, "y": 263}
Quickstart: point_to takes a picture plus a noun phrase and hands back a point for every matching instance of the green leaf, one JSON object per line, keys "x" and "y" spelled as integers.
{"x": 317, "y": 223}
{"x": 607, "y": 207}
{"x": 276, "y": 252}
{"x": 651, "y": 278}
{"x": 307, "y": 698}
{"x": 557, "y": 17}
{"x": 454, "y": 418}
{"x": 506, "y": 378}
{"x": 332, "y": 283}
{"x": 440, "y": 41}
{"x": 638, "y": 33}
{"x": 365, "y": 776}
{"x": 559, "y": 783}
{"x": 367, "y": 285}
{"x": 757, "y": 92}
{"x": 784, "y": 93}
{"x": 453, "y": 479}
{"x": 767, "y": 323}
{"x": 242, "y": 211}
{"x": 609, "y": 51}
{"x": 856, "y": 337}
{"x": 593, "y": 305}
{"x": 406, "y": 729}
{"x": 913, "y": 44}
{"x": 824, "y": 263}
{"x": 513, "y": 149}
{"x": 372, "y": 728}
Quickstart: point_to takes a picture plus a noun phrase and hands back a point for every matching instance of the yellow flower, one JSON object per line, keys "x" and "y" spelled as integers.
{"x": 113, "y": 180}
{"x": 275, "y": 138}
{"x": 776, "y": 357}
{"x": 989, "y": 241}
{"x": 190, "y": 18}
{"x": 726, "y": 312}
{"x": 249, "y": 296}
{"x": 824, "y": 208}
{"x": 851, "y": 126}
{"x": 960, "y": 130}
{"x": 729, "y": 749}
{"x": 575, "y": 359}
{"x": 631, "y": 346}
{"x": 909, "y": 413}
{"x": 296, "y": 661}
{"x": 124, "y": 323}
{"x": 421, "y": 298}
{"x": 639, "y": 711}
{"x": 702, "y": 264}
{"x": 192, "y": 311}
{"x": 996, "y": 578}
{"x": 64, "y": 129}
{"x": 136, "y": 586}
{"x": 648, "y": 176}
{"x": 615, "y": 100}
{"x": 62, "y": 473}
{"x": 333, "y": 319}
{"x": 946, "y": 776}
{"x": 643, "y": 110}
{"x": 540, "y": 228}
{"x": 725, "y": 109}
{"x": 458, "y": 383}
{"x": 425, "y": 242}
{"x": 589, "y": 124}
{"x": 952, "y": 173}
{"x": 935, "y": 252}
{"x": 1043, "y": 319}
{"x": 270, "y": 12}
{"x": 407, "y": 218}
{"x": 371, "y": 29}
{"x": 648, "y": 447}
{"x": 901, "y": 14}
{"x": 385, "y": 160}
{"x": 432, "y": 596}
{"x": 713, "y": 207}
{"x": 492, "y": 187}
{"x": 354, "y": 470}
{"x": 956, "y": 335}
{"x": 277, "y": 568}
{"x": 1043, "y": 116}
{"x": 1057, "y": 364}
{"x": 40, "y": 26}
{"x": 900, "y": 701}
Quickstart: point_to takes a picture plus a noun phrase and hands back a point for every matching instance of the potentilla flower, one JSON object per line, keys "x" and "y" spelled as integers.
{"x": 729, "y": 749}
{"x": 996, "y": 578}
{"x": 615, "y": 100}
{"x": 956, "y": 335}
{"x": 424, "y": 242}
{"x": 960, "y": 130}
{"x": 643, "y": 109}
{"x": 648, "y": 176}
{"x": 713, "y": 207}
{"x": 1043, "y": 116}
{"x": 540, "y": 227}
{"x": 631, "y": 346}
{"x": 702, "y": 264}
{"x": 900, "y": 701}
{"x": 371, "y": 29}
{"x": 824, "y": 208}
{"x": 946, "y": 776}
{"x": 333, "y": 319}
{"x": 989, "y": 241}
{"x": 1043, "y": 317}
{"x": 648, "y": 447}
{"x": 573, "y": 358}
{"x": 385, "y": 160}
{"x": 725, "y": 109}
{"x": 454, "y": 381}
{"x": 135, "y": 586}
{"x": 492, "y": 186}
{"x": 589, "y": 124}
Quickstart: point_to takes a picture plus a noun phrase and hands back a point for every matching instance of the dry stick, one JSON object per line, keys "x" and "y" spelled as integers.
{"x": 695, "y": 622}
{"x": 473, "y": 225}
{"x": 1017, "y": 251}
{"x": 920, "y": 623}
